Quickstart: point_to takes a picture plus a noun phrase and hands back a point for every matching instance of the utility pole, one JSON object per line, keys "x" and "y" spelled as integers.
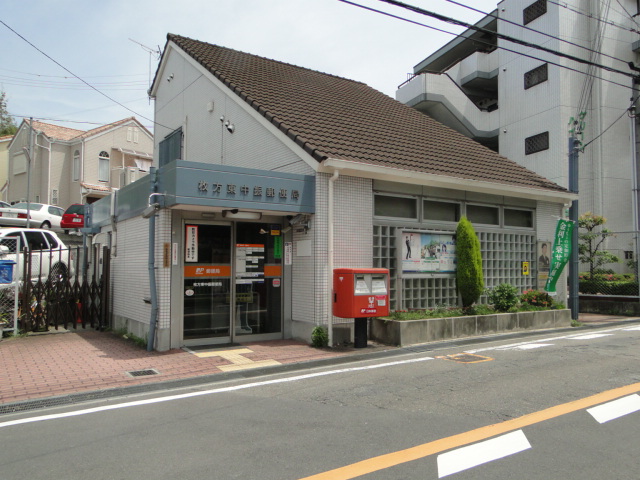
{"x": 576, "y": 128}
{"x": 29, "y": 157}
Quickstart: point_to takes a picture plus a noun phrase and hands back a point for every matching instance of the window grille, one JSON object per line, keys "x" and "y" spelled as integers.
{"x": 537, "y": 75}
{"x": 54, "y": 197}
{"x": 533, "y": 11}
{"x": 536, "y": 143}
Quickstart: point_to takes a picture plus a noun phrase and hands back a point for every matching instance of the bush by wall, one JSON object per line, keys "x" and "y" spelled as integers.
{"x": 469, "y": 278}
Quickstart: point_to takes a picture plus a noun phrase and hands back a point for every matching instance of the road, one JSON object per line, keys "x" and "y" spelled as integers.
{"x": 549, "y": 406}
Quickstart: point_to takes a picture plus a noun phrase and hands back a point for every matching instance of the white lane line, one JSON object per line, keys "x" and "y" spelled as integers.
{"x": 542, "y": 340}
{"x": 529, "y": 346}
{"x": 615, "y": 409}
{"x": 468, "y": 457}
{"x": 632, "y": 329}
{"x": 207, "y": 392}
{"x": 590, "y": 336}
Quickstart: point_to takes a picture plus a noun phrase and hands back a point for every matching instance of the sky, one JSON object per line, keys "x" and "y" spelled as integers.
{"x": 112, "y": 46}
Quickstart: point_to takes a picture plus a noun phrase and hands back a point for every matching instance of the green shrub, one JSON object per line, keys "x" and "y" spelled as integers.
{"x": 503, "y": 297}
{"x": 536, "y": 298}
{"x": 469, "y": 278}
{"x": 319, "y": 337}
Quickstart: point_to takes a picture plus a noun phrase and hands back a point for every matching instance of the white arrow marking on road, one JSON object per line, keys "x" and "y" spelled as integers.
{"x": 468, "y": 457}
{"x": 615, "y": 409}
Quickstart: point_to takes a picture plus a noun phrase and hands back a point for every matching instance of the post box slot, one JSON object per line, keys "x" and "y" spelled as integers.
{"x": 361, "y": 286}
{"x": 378, "y": 285}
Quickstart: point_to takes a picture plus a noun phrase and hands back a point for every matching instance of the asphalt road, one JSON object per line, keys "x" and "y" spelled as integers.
{"x": 554, "y": 406}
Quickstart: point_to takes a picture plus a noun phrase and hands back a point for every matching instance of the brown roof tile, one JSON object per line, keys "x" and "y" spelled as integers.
{"x": 333, "y": 117}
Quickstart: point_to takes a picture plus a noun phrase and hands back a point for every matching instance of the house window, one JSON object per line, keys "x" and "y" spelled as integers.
{"x": 171, "y": 147}
{"x": 536, "y": 76}
{"x": 483, "y": 214}
{"x": 136, "y": 135}
{"x": 533, "y": 11}
{"x": 103, "y": 167}
{"x": 518, "y": 218}
{"x": 19, "y": 164}
{"x": 628, "y": 254}
{"x": 143, "y": 165}
{"x": 54, "y": 196}
{"x": 395, "y": 207}
{"x": 536, "y": 143}
{"x": 76, "y": 166}
{"x": 440, "y": 211}
{"x": 129, "y": 134}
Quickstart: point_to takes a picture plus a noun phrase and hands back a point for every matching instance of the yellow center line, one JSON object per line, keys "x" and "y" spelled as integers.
{"x": 420, "y": 451}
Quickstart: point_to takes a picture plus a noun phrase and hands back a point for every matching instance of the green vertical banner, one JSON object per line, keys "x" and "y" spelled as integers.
{"x": 560, "y": 253}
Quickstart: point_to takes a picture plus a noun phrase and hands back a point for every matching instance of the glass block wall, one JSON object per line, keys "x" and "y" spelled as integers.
{"x": 502, "y": 254}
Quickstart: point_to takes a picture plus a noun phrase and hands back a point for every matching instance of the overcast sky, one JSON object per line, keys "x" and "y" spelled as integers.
{"x": 93, "y": 40}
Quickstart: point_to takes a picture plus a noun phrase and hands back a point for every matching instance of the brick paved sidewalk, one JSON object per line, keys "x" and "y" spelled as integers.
{"x": 71, "y": 362}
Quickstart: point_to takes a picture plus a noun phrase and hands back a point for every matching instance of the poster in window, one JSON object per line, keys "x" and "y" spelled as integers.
{"x": 428, "y": 252}
{"x": 191, "y": 244}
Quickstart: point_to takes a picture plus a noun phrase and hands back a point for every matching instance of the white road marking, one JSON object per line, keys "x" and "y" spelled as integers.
{"x": 468, "y": 457}
{"x": 615, "y": 409}
{"x": 590, "y": 336}
{"x": 632, "y": 329}
{"x": 207, "y": 392}
{"x": 543, "y": 340}
{"x": 528, "y": 346}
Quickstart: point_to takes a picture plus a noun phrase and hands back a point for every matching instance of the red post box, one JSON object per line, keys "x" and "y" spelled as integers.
{"x": 360, "y": 292}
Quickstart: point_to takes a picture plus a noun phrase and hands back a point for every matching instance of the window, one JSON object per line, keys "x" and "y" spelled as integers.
{"x": 518, "y": 218}
{"x": 19, "y": 163}
{"x": 533, "y": 11}
{"x": 536, "y": 143}
{"x": 54, "y": 197}
{"x": 440, "y": 211}
{"x": 103, "y": 167}
{"x": 76, "y": 166}
{"x": 537, "y": 75}
{"x": 136, "y": 135}
{"x": 171, "y": 147}
{"x": 482, "y": 214}
{"x": 129, "y": 134}
{"x": 628, "y": 254}
{"x": 143, "y": 165}
{"x": 398, "y": 207}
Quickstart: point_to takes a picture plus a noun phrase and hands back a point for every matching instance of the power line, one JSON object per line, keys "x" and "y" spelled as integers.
{"x": 507, "y": 38}
{"x": 506, "y": 20}
{"x": 591, "y": 16}
{"x": 64, "y": 76}
{"x": 39, "y": 119}
{"x": 486, "y": 43}
{"x": 83, "y": 81}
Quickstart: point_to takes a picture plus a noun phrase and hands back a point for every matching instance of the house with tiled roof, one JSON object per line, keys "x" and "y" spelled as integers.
{"x": 268, "y": 176}
{"x": 68, "y": 165}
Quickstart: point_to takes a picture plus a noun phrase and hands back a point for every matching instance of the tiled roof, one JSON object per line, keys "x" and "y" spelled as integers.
{"x": 55, "y": 131}
{"x": 96, "y": 188}
{"x": 64, "y": 133}
{"x": 333, "y": 117}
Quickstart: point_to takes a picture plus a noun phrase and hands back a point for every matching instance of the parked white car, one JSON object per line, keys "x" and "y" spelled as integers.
{"x": 41, "y": 215}
{"x": 50, "y": 257}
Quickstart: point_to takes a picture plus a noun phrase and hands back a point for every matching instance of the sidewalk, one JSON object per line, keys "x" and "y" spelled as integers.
{"x": 71, "y": 362}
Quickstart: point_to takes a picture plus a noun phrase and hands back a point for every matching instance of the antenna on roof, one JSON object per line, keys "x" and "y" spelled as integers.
{"x": 157, "y": 52}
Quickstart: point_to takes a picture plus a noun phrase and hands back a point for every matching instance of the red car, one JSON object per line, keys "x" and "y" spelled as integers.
{"x": 73, "y": 217}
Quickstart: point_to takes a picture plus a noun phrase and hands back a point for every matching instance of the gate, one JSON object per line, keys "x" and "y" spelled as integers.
{"x": 64, "y": 289}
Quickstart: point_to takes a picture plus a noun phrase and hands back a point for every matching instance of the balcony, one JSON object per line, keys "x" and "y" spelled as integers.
{"x": 471, "y": 113}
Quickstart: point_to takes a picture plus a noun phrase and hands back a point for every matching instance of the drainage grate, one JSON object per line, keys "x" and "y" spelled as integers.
{"x": 467, "y": 358}
{"x": 143, "y": 373}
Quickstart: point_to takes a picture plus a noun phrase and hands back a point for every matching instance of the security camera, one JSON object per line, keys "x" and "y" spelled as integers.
{"x": 150, "y": 210}
{"x": 297, "y": 219}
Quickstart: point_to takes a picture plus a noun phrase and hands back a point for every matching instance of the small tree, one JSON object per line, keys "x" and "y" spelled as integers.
{"x": 7, "y": 125}
{"x": 590, "y": 242}
{"x": 469, "y": 278}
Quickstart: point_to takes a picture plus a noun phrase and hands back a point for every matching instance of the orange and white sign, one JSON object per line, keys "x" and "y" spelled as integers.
{"x": 207, "y": 271}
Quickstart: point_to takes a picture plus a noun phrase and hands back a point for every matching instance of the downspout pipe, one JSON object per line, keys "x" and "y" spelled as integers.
{"x": 153, "y": 292}
{"x": 332, "y": 180}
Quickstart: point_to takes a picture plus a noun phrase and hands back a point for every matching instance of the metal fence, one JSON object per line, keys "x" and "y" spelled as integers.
{"x": 40, "y": 289}
{"x": 609, "y": 264}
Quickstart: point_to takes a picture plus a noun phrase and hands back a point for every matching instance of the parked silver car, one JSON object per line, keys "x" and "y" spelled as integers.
{"x": 50, "y": 257}
{"x": 40, "y": 215}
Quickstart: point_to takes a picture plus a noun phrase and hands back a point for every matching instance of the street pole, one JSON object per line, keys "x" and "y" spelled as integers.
{"x": 30, "y": 156}
{"x": 574, "y": 264}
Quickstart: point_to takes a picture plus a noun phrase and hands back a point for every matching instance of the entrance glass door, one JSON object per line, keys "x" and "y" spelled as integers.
{"x": 258, "y": 279}
{"x": 207, "y": 282}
